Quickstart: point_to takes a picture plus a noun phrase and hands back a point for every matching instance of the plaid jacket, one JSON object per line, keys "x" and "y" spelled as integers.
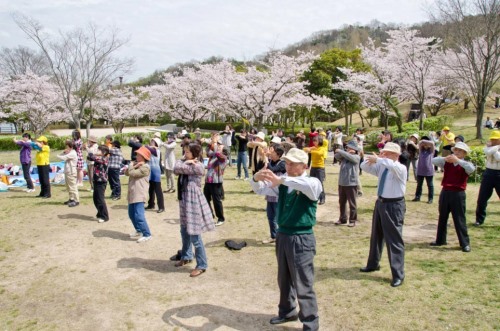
{"x": 115, "y": 158}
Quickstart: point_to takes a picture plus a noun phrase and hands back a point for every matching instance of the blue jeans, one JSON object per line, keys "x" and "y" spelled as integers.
{"x": 271, "y": 217}
{"x": 242, "y": 159}
{"x": 136, "y": 214}
{"x": 199, "y": 249}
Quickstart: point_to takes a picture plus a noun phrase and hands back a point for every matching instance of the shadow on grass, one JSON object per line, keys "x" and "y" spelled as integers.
{"x": 246, "y": 208}
{"x": 76, "y": 216}
{"x": 426, "y": 245}
{"x": 125, "y": 207}
{"x": 353, "y": 273}
{"x": 172, "y": 220}
{"x": 245, "y": 191}
{"x": 250, "y": 242}
{"x": 162, "y": 266}
{"x": 213, "y": 317}
{"x": 112, "y": 234}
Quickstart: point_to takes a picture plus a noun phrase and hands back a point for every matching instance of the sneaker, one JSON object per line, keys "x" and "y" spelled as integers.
{"x": 237, "y": 177}
{"x": 100, "y": 220}
{"x": 79, "y": 185}
{"x": 135, "y": 234}
{"x": 116, "y": 198}
{"x": 269, "y": 241}
{"x": 73, "y": 204}
{"x": 219, "y": 222}
{"x": 246, "y": 178}
{"x": 143, "y": 239}
{"x": 30, "y": 190}
{"x": 91, "y": 190}
{"x": 68, "y": 202}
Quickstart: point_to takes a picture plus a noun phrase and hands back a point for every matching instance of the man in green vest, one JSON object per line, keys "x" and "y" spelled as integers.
{"x": 298, "y": 196}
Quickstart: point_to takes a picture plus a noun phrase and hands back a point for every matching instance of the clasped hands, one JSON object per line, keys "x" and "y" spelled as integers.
{"x": 268, "y": 176}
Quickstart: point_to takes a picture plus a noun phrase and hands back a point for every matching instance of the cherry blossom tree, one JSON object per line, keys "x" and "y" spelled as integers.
{"x": 405, "y": 68}
{"x": 117, "y": 106}
{"x": 33, "y": 99}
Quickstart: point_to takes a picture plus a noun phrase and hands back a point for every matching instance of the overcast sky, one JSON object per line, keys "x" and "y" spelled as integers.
{"x": 165, "y": 32}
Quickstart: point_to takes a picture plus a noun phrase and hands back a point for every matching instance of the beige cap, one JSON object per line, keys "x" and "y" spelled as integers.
{"x": 296, "y": 155}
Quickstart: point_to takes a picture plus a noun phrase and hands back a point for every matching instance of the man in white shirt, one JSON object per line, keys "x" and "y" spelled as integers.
{"x": 389, "y": 212}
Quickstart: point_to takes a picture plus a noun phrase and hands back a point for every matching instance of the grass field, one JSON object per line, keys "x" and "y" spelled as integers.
{"x": 61, "y": 270}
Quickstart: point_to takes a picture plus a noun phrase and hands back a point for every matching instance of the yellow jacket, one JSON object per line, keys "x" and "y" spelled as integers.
{"x": 318, "y": 155}
{"x": 43, "y": 156}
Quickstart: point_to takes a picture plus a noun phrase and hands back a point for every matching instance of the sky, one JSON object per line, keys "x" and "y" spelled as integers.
{"x": 166, "y": 32}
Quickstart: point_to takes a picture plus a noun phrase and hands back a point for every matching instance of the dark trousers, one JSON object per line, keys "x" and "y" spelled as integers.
{"x": 387, "y": 224}
{"x": 430, "y": 186}
{"x": 271, "y": 208}
{"x": 295, "y": 256}
{"x": 43, "y": 176}
{"x": 454, "y": 203}
{"x": 114, "y": 182}
{"x": 321, "y": 175}
{"x": 99, "y": 200}
{"x": 155, "y": 189}
{"x": 348, "y": 194}
{"x": 490, "y": 181}
{"x": 215, "y": 192}
{"x": 26, "y": 174}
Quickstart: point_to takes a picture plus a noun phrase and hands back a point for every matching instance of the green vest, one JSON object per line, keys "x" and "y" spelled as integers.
{"x": 296, "y": 213}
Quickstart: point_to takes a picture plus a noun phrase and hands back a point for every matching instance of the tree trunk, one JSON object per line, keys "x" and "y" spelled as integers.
{"x": 421, "y": 124}
{"x": 466, "y": 103}
{"x": 346, "y": 121}
{"x": 479, "y": 119}
{"x": 87, "y": 129}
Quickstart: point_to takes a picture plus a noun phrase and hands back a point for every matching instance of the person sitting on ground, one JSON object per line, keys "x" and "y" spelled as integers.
{"x": 497, "y": 124}
{"x": 489, "y": 123}
{"x": 452, "y": 197}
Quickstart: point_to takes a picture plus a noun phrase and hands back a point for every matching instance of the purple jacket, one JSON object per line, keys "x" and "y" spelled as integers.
{"x": 25, "y": 155}
{"x": 425, "y": 166}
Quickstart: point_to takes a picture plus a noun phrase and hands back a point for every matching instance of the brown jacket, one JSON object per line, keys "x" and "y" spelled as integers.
{"x": 138, "y": 184}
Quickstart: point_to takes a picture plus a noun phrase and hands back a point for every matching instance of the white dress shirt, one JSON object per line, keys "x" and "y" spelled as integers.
{"x": 395, "y": 182}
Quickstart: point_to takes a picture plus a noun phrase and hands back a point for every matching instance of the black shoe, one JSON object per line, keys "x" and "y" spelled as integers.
{"x": 366, "y": 269}
{"x": 416, "y": 199}
{"x": 176, "y": 257}
{"x": 477, "y": 224}
{"x": 73, "y": 204}
{"x": 150, "y": 207}
{"x": 46, "y": 196}
{"x": 160, "y": 210}
{"x": 68, "y": 202}
{"x": 397, "y": 282}
{"x": 435, "y": 244}
{"x": 429, "y": 201}
{"x": 281, "y": 320}
{"x": 321, "y": 202}
{"x": 466, "y": 249}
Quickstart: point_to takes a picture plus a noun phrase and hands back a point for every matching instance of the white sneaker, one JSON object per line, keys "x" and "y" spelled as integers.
{"x": 135, "y": 234}
{"x": 246, "y": 179}
{"x": 79, "y": 185}
{"x": 143, "y": 239}
{"x": 30, "y": 191}
{"x": 269, "y": 241}
{"x": 237, "y": 177}
{"x": 100, "y": 220}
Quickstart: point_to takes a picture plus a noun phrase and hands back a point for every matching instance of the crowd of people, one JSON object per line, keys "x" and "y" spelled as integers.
{"x": 277, "y": 166}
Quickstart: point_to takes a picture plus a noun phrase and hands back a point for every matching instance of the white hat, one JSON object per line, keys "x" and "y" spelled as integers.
{"x": 391, "y": 147}
{"x": 296, "y": 155}
{"x": 415, "y": 135}
{"x": 276, "y": 140}
{"x": 183, "y": 132}
{"x": 261, "y": 135}
{"x": 157, "y": 141}
{"x": 157, "y": 134}
{"x": 462, "y": 146}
